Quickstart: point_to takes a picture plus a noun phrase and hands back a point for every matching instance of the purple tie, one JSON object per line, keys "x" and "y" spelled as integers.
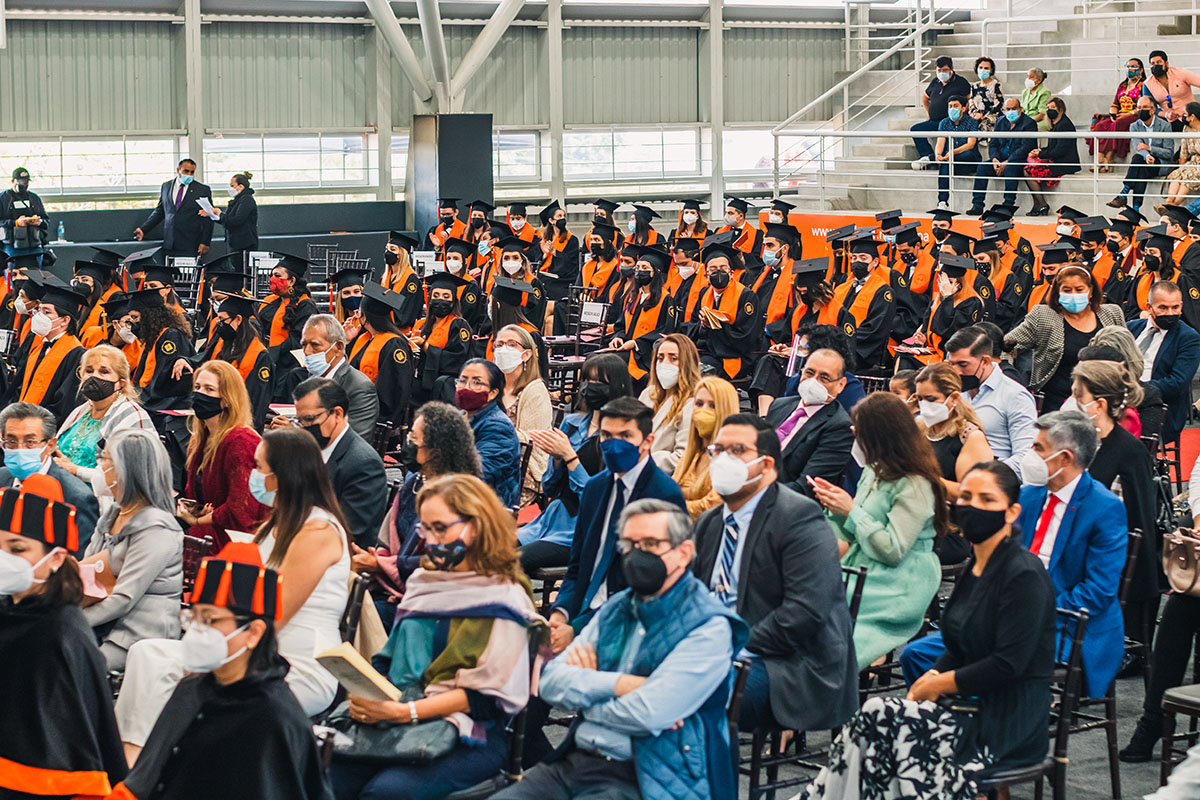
{"x": 789, "y": 424}
{"x": 179, "y": 196}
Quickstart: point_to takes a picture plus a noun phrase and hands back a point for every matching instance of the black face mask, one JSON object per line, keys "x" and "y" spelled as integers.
{"x": 447, "y": 219}
{"x": 1144, "y": 114}
{"x": 977, "y": 524}
{"x": 599, "y": 220}
{"x": 644, "y": 572}
{"x": 969, "y": 382}
{"x": 477, "y": 223}
{"x": 940, "y": 233}
{"x": 225, "y": 332}
{"x": 908, "y": 258}
{"x": 719, "y": 280}
{"x": 598, "y": 250}
{"x": 390, "y": 258}
{"x": 22, "y": 188}
{"x": 315, "y": 432}
{"x": 136, "y": 328}
{"x": 446, "y": 556}
{"x": 1152, "y": 262}
{"x": 1112, "y": 247}
{"x": 94, "y": 388}
{"x": 1158, "y": 70}
{"x": 561, "y": 224}
{"x": 860, "y": 269}
{"x": 1051, "y": 113}
{"x": 1167, "y": 321}
{"x": 984, "y": 268}
{"x": 205, "y": 406}
{"x": 408, "y": 457}
{"x": 351, "y": 304}
{"x": 595, "y": 394}
{"x": 643, "y": 278}
{"x": 626, "y": 272}
{"x": 440, "y": 308}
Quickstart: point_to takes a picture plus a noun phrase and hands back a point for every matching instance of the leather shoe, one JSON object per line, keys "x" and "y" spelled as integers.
{"x": 1141, "y": 746}
{"x": 1131, "y": 665}
{"x": 1117, "y": 202}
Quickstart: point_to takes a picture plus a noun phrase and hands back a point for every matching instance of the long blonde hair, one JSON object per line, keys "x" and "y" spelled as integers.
{"x": 494, "y": 549}
{"x": 947, "y": 382}
{"x": 237, "y": 413}
{"x": 116, "y": 362}
{"x": 402, "y": 263}
{"x": 725, "y": 403}
{"x": 689, "y": 373}
{"x": 530, "y": 371}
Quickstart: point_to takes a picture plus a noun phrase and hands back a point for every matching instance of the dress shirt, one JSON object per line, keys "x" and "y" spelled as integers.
{"x": 808, "y": 414}
{"x": 742, "y": 518}
{"x": 333, "y": 443}
{"x": 1064, "y": 498}
{"x": 628, "y": 479}
{"x": 176, "y": 185}
{"x": 1007, "y": 412}
{"x": 1151, "y": 352}
{"x": 673, "y": 691}
{"x": 45, "y": 469}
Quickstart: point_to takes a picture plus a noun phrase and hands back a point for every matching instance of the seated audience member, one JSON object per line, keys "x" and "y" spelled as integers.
{"x": 986, "y": 98}
{"x": 999, "y": 630}
{"x": 829, "y": 337}
{"x": 1122, "y": 114}
{"x": 57, "y": 703}
{"x": 110, "y": 405}
{"x": 1006, "y": 156}
{"x": 813, "y": 429}
{"x": 950, "y": 424}
{"x": 216, "y": 498}
{"x": 1170, "y": 88}
{"x": 231, "y": 728}
{"x": 715, "y": 401}
{"x": 324, "y": 346}
{"x": 574, "y": 450}
{"x": 649, "y": 676}
{"x": 1047, "y": 165}
{"x": 49, "y": 375}
{"x": 957, "y": 129}
{"x": 768, "y": 554}
{"x": 1005, "y": 408}
{"x": 904, "y": 384}
{"x": 1171, "y": 350}
{"x": 1058, "y": 329}
{"x": 945, "y": 85}
{"x": 459, "y": 647}
{"x": 440, "y": 443}
{"x": 669, "y": 395}
{"x": 1116, "y": 343}
{"x": 355, "y": 468}
{"x": 141, "y": 544}
{"x": 27, "y": 432}
{"x": 305, "y": 541}
{"x": 1184, "y": 179}
{"x": 477, "y": 392}
{"x": 1152, "y": 156}
{"x": 525, "y": 399}
{"x": 889, "y": 525}
{"x": 1035, "y": 99}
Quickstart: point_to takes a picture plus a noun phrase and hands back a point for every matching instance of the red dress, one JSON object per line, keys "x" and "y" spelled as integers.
{"x": 225, "y": 484}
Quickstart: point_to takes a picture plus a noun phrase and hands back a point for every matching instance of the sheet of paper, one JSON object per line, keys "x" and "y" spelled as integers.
{"x": 208, "y": 207}
{"x": 592, "y": 313}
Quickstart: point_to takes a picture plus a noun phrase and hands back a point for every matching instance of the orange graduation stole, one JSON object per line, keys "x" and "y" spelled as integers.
{"x": 38, "y": 376}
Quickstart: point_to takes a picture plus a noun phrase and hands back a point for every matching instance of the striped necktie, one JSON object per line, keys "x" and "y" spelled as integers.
{"x": 724, "y": 586}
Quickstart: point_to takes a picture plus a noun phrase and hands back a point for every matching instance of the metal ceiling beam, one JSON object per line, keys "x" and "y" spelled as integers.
{"x": 388, "y": 25}
{"x": 435, "y": 49}
{"x": 487, "y": 40}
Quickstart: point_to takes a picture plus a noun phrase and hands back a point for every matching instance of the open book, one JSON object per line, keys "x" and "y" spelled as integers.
{"x": 356, "y": 674}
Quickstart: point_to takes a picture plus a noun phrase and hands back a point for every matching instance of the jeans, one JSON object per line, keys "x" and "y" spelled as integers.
{"x": 919, "y": 657}
{"x": 756, "y": 701}
{"x": 924, "y": 148}
{"x": 964, "y": 164}
{"x": 1172, "y": 651}
{"x": 539, "y": 554}
{"x": 464, "y": 766}
{"x": 1011, "y": 174}
{"x": 575, "y": 776}
{"x": 1139, "y": 174}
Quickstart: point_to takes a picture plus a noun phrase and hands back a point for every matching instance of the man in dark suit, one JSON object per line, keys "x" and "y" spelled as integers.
{"x": 185, "y": 232}
{"x": 803, "y": 668}
{"x": 356, "y": 470}
{"x": 813, "y": 428}
{"x": 1171, "y": 349}
{"x": 28, "y": 434}
{"x": 323, "y": 335}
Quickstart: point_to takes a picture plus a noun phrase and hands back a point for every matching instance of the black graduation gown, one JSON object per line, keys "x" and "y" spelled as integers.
{"x": 644, "y": 344}
{"x": 472, "y": 305}
{"x": 535, "y": 301}
{"x": 162, "y": 391}
{"x": 1013, "y": 298}
{"x": 564, "y": 264}
{"x": 413, "y": 306}
{"x": 249, "y": 740}
{"x": 393, "y": 383}
{"x": 737, "y": 340}
{"x": 8, "y": 313}
{"x": 62, "y": 394}
{"x": 58, "y": 712}
{"x": 872, "y": 334}
{"x": 987, "y": 294}
{"x": 1189, "y": 262}
{"x": 1124, "y": 457}
{"x": 301, "y": 311}
{"x": 948, "y": 319}
{"x": 446, "y": 360}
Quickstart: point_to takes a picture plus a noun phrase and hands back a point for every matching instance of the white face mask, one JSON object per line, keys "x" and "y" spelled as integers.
{"x": 16, "y": 574}
{"x": 687, "y": 272}
{"x": 454, "y": 267}
{"x": 1030, "y": 83}
{"x": 40, "y": 325}
{"x": 233, "y": 191}
{"x": 856, "y": 452}
{"x": 775, "y": 217}
{"x": 512, "y": 267}
{"x": 126, "y": 335}
{"x": 508, "y": 359}
{"x": 1034, "y": 471}
{"x": 1064, "y": 228}
{"x": 812, "y": 392}
{"x": 729, "y": 473}
{"x": 690, "y": 217}
{"x": 730, "y": 220}
{"x": 518, "y": 224}
{"x": 204, "y": 648}
{"x": 668, "y": 374}
{"x": 933, "y": 413}
{"x": 20, "y": 307}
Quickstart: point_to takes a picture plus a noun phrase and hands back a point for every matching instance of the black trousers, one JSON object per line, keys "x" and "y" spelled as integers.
{"x": 537, "y": 555}
{"x": 1172, "y": 652}
{"x": 576, "y": 775}
{"x": 1139, "y": 174}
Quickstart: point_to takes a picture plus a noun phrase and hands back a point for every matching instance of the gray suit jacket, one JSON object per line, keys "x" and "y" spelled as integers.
{"x": 147, "y": 558}
{"x": 364, "y": 402}
{"x": 76, "y": 493}
{"x": 795, "y": 605}
{"x": 360, "y": 484}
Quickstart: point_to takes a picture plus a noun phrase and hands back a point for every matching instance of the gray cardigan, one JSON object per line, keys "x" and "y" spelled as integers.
{"x": 1042, "y": 332}
{"x": 147, "y": 558}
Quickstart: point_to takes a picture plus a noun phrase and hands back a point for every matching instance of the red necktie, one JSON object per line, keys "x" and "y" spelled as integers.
{"x": 1044, "y": 524}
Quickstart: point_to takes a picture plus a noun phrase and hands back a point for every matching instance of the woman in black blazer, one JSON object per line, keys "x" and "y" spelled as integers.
{"x": 241, "y": 217}
{"x": 998, "y": 627}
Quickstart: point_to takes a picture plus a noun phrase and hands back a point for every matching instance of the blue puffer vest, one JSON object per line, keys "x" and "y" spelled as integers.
{"x": 693, "y": 761}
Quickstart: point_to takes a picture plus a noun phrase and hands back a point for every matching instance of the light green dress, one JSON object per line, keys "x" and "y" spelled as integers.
{"x": 890, "y": 531}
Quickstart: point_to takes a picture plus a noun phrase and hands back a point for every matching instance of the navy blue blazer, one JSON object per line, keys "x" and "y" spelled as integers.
{"x": 1176, "y": 363}
{"x": 1085, "y": 567}
{"x": 1013, "y": 150}
{"x": 589, "y": 528}
{"x": 184, "y": 230}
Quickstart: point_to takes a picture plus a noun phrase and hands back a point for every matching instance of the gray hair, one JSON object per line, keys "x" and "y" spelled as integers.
{"x": 679, "y": 524}
{"x": 1071, "y": 431}
{"x": 143, "y": 469}
{"x": 328, "y": 323}
{"x": 1041, "y": 73}
{"x": 1120, "y": 339}
{"x": 19, "y": 411}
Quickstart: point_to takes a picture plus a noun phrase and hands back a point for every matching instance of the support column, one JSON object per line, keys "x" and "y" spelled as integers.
{"x": 716, "y": 88}
{"x": 194, "y": 70}
{"x": 558, "y": 188}
{"x": 383, "y": 115}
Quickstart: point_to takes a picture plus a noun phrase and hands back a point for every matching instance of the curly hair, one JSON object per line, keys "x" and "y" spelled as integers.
{"x": 448, "y": 441}
{"x": 156, "y": 320}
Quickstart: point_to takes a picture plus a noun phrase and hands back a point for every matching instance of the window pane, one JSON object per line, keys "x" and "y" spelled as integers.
{"x": 516, "y": 155}
{"x": 587, "y": 155}
{"x": 399, "y": 158}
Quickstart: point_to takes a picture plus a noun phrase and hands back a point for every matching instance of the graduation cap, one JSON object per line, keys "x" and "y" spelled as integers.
{"x": 686, "y": 244}
{"x": 717, "y": 248}
{"x": 377, "y": 299}
{"x": 351, "y": 276}
{"x": 1157, "y": 237}
{"x": 117, "y": 305}
{"x": 955, "y": 266}
{"x": 145, "y": 299}
{"x": 228, "y": 282}
{"x": 960, "y": 242}
{"x": 606, "y": 232}
{"x": 230, "y": 262}
{"x": 1092, "y": 230}
{"x": 781, "y": 206}
{"x": 809, "y": 272}
{"x": 1133, "y": 215}
{"x": 448, "y": 202}
{"x": 97, "y": 272}
{"x": 943, "y": 214}
{"x": 295, "y": 266}
{"x": 402, "y": 241}
{"x": 737, "y": 203}
{"x": 1073, "y": 214}
{"x": 26, "y": 261}
{"x": 547, "y": 212}
{"x": 999, "y": 212}
{"x": 64, "y": 298}
{"x": 164, "y": 275}
{"x": 691, "y": 204}
{"x": 1194, "y": 227}
{"x": 496, "y": 228}
{"x": 510, "y": 292}
{"x": 518, "y": 209}
{"x": 836, "y": 237}
{"x": 1177, "y": 214}
{"x": 1059, "y": 252}
{"x": 996, "y": 228}
{"x": 106, "y": 256}
{"x": 783, "y": 232}
{"x": 645, "y": 213}
{"x": 888, "y": 219}
{"x": 907, "y": 233}
{"x": 607, "y": 206}
{"x": 136, "y": 262}
{"x": 236, "y": 579}
{"x": 36, "y": 510}
{"x": 1123, "y": 226}
{"x": 32, "y": 289}
{"x": 239, "y": 305}
{"x": 656, "y": 257}
{"x": 444, "y": 280}
{"x": 481, "y": 205}
{"x": 985, "y": 245}
{"x": 512, "y": 244}
{"x": 863, "y": 241}
{"x": 462, "y": 247}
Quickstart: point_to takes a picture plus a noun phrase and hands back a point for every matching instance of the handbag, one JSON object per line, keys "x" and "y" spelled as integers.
{"x": 384, "y": 743}
{"x": 1181, "y": 561}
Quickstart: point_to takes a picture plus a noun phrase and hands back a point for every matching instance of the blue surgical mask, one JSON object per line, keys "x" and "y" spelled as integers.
{"x": 316, "y": 364}
{"x": 620, "y": 456}
{"x": 1073, "y": 302}
{"x": 1012, "y": 114}
{"x": 983, "y": 74}
{"x": 954, "y": 114}
{"x": 770, "y": 257}
{"x": 186, "y": 179}
{"x": 258, "y": 488}
{"x": 483, "y": 248}
{"x": 23, "y": 463}
{"x": 632, "y": 226}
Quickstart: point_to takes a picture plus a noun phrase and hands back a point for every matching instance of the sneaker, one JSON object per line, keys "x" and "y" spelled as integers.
{"x": 943, "y": 205}
{"x": 1141, "y": 747}
{"x": 924, "y": 162}
{"x": 1117, "y": 202}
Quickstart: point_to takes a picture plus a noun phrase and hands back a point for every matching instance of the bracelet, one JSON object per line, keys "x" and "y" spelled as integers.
{"x": 567, "y": 463}
{"x": 413, "y": 717}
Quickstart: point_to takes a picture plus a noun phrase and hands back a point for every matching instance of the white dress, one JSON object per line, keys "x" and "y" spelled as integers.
{"x": 155, "y": 666}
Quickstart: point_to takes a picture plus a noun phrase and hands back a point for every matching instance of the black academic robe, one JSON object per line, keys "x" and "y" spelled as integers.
{"x": 285, "y": 334}
{"x": 413, "y": 305}
{"x": 61, "y": 395}
{"x": 472, "y": 305}
{"x": 447, "y": 359}
{"x": 58, "y": 713}
{"x": 564, "y": 263}
{"x": 987, "y": 295}
{"x": 533, "y": 304}
{"x": 731, "y": 348}
{"x": 249, "y": 740}
{"x": 158, "y": 389}
{"x": 948, "y": 318}
{"x": 1012, "y": 296}
{"x": 876, "y": 325}
{"x": 392, "y": 373}
{"x": 645, "y": 326}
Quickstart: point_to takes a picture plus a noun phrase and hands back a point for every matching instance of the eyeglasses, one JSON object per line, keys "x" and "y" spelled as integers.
{"x": 735, "y": 450}
{"x": 626, "y": 546}
{"x": 472, "y": 383}
{"x": 807, "y": 373}
{"x": 511, "y": 345}
{"x": 28, "y": 443}
{"x": 313, "y": 419}
{"x": 437, "y": 528}
{"x": 189, "y": 617}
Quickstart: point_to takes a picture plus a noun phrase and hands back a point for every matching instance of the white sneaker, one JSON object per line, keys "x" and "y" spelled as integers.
{"x": 943, "y": 206}
{"x": 920, "y": 163}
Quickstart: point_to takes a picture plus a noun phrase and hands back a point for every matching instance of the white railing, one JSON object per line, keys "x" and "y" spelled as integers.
{"x": 1088, "y": 192}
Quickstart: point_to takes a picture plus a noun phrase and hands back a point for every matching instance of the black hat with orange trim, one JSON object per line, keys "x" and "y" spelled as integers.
{"x": 36, "y": 510}
{"x": 236, "y": 579}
